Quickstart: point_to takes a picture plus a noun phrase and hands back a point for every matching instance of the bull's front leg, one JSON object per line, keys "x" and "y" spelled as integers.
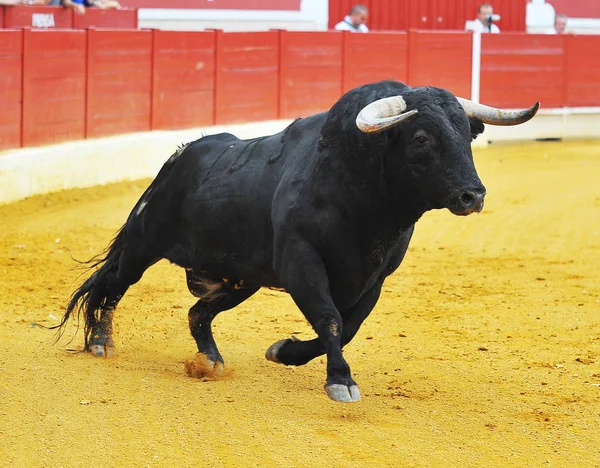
{"x": 294, "y": 352}
{"x": 303, "y": 275}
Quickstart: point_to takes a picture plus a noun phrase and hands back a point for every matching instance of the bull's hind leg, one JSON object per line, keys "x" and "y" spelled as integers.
{"x": 215, "y": 297}
{"x": 100, "y": 342}
{"x": 132, "y": 264}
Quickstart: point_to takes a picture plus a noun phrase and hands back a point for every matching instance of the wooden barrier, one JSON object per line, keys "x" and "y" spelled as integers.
{"x": 310, "y": 72}
{"x": 183, "y": 79}
{"x": 33, "y": 16}
{"x": 125, "y": 18}
{"x": 11, "y": 83}
{"x": 54, "y": 79}
{"x": 517, "y": 69}
{"x": 56, "y": 17}
{"x": 119, "y": 87}
{"x": 374, "y": 57}
{"x": 582, "y": 81}
{"x": 441, "y": 59}
{"x": 247, "y": 76}
{"x": 71, "y": 84}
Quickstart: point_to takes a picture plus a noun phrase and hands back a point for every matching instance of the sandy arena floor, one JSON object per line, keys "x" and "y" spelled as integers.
{"x": 484, "y": 349}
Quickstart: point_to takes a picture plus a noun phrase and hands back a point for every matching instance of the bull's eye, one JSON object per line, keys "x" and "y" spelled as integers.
{"x": 420, "y": 138}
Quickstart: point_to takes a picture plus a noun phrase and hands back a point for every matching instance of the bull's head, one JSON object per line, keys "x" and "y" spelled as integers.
{"x": 435, "y": 130}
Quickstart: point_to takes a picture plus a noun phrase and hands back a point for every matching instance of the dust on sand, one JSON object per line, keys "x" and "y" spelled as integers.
{"x": 483, "y": 350}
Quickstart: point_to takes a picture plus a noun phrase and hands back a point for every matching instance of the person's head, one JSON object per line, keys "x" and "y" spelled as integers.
{"x": 560, "y": 23}
{"x": 484, "y": 12}
{"x": 358, "y": 15}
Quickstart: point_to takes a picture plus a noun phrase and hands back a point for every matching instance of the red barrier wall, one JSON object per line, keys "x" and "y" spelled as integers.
{"x": 517, "y": 69}
{"x": 311, "y": 72}
{"x": 38, "y": 17}
{"x": 53, "y": 17}
{"x": 125, "y": 18}
{"x": 374, "y": 57}
{"x": 429, "y": 14}
{"x": 582, "y": 73}
{"x": 247, "y": 76}
{"x": 577, "y": 8}
{"x": 65, "y": 85}
{"x": 184, "y": 79}
{"x": 119, "y": 82}
{"x": 53, "y": 86}
{"x": 11, "y": 82}
{"x": 441, "y": 59}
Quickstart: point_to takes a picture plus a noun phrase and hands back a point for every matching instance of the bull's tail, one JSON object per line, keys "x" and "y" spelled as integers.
{"x": 123, "y": 262}
{"x": 101, "y": 291}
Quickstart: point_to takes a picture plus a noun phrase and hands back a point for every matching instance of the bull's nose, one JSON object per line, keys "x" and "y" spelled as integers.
{"x": 471, "y": 201}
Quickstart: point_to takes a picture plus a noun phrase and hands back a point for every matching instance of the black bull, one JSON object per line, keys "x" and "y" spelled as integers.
{"x": 324, "y": 210}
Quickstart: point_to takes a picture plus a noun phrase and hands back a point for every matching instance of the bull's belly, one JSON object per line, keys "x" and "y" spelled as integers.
{"x": 253, "y": 269}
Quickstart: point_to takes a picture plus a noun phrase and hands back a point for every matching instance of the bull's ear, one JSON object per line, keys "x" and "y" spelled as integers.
{"x": 477, "y": 127}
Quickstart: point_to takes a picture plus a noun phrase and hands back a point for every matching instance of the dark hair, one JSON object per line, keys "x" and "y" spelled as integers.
{"x": 359, "y": 9}
{"x": 483, "y": 5}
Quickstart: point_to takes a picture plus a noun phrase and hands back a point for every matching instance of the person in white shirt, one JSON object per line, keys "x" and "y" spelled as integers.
{"x": 484, "y": 22}
{"x": 355, "y": 21}
{"x": 560, "y": 25}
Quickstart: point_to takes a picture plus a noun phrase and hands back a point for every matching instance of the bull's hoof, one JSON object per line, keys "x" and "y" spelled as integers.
{"x": 204, "y": 367}
{"x": 100, "y": 350}
{"x": 343, "y": 393}
{"x": 272, "y": 352}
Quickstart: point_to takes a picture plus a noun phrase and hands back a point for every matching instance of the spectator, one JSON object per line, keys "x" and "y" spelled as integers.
{"x": 355, "y": 21}
{"x": 560, "y": 25}
{"x": 485, "y": 20}
{"x": 77, "y": 5}
{"x": 80, "y": 5}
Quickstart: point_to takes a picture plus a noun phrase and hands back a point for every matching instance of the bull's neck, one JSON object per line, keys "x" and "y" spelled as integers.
{"x": 374, "y": 198}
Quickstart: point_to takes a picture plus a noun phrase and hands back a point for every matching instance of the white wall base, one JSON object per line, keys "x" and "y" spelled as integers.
{"x": 231, "y": 26}
{"x": 312, "y": 16}
{"x": 85, "y": 163}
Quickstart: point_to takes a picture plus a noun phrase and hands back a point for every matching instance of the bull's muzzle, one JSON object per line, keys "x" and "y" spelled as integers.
{"x": 468, "y": 201}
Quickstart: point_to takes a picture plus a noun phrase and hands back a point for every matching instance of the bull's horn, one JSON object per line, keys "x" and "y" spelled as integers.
{"x": 381, "y": 114}
{"x": 493, "y": 116}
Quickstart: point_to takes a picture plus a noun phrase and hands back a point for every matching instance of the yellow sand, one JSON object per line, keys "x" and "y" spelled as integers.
{"x": 483, "y": 350}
